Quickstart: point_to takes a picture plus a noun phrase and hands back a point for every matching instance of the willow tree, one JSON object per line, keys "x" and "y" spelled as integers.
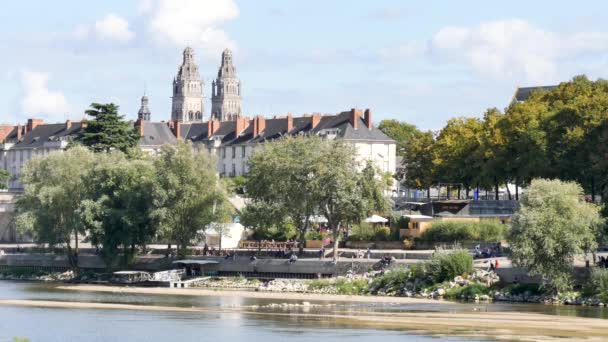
{"x": 553, "y": 225}
{"x": 54, "y": 189}
{"x": 188, "y": 196}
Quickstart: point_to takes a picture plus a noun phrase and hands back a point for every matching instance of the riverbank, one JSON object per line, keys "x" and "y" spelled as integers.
{"x": 506, "y": 326}
{"x": 249, "y": 294}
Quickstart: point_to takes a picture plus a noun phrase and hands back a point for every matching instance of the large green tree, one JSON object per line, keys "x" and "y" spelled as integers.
{"x": 54, "y": 189}
{"x": 280, "y": 182}
{"x": 108, "y": 130}
{"x": 189, "y": 196}
{"x": 119, "y": 205}
{"x": 345, "y": 195}
{"x": 455, "y": 152}
{"x": 553, "y": 225}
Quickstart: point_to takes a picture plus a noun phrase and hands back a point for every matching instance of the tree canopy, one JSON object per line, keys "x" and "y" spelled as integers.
{"x": 189, "y": 195}
{"x": 552, "y": 226}
{"x": 108, "y": 130}
{"x": 295, "y": 178}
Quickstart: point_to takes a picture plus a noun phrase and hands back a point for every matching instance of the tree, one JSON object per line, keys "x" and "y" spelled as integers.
{"x": 418, "y": 161}
{"x": 552, "y": 226}
{"x": 279, "y": 182}
{"x": 455, "y": 152}
{"x": 4, "y": 177}
{"x": 189, "y": 195}
{"x": 345, "y": 195}
{"x": 108, "y": 131}
{"x": 119, "y": 205}
{"x": 54, "y": 190}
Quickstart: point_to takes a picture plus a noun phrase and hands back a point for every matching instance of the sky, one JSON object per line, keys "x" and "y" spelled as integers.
{"x": 422, "y": 62}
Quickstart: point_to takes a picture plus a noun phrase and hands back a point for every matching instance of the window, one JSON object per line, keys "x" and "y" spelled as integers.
{"x": 233, "y": 170}
{"x": 223, "y": 169}
{"x": 224, "y": 153}
{"x": 243, "y": 152}
{"x": 233, "y": 152}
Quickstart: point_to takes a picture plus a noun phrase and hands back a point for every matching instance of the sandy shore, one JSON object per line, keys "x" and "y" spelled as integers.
{"x": 498, "y": 326}
{"x": 250, "y": 294}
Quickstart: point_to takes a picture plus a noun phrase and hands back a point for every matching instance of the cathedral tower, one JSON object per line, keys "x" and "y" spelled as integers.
{"x": 226, "y": 91}
{"x": 144, "y": 111}
{"x": 187, "y": 91}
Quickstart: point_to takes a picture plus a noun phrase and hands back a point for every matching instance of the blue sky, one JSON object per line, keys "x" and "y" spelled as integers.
{"x": 421, "y": 62}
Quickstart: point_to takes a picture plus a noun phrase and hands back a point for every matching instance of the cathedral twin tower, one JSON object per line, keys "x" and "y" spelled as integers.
{"x": 187, "y": 104}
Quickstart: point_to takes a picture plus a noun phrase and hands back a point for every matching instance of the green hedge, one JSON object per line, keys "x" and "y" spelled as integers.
{"x": 449, "y": 232}
{"x": 367, "y": 232}
{"x": 446, "y": 265}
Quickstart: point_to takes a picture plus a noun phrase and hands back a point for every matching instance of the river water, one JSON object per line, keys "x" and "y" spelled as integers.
{"x": 63, "y": 324}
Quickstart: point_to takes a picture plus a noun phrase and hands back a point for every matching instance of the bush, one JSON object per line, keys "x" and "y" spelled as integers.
{"x": 440, "y": 231}
{"x": 382, "y": 234}
{"x": 467, "y": 292}
{"x": 315, "y": 234}
{"x": 353, "y": 287}
{"x": 526, "y": 289}
{"x": 367, "y": 232}
{"x": 445, "y": 265}
{"x": 599, "y": 283}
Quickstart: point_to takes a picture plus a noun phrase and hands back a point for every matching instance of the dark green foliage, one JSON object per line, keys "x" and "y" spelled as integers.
{"x": 108, "y": 131}
{"x": 4, "y": 177}
{"x": 450, "y": 232}
{"x": 446, "y": 265}
{"x": 598, "y": 283}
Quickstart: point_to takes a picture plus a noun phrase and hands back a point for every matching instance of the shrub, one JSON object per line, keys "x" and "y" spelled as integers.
{"x": 362, "y": 232}
{"x": 527, "y": 289}
{"x": 464, "y": 231}
{"x": 382, "y": 234}
{"x": 599, "y": 283}
{"x": 467, "y": 292}
{"x": 445, "y": 265}
{"x": 353, "y": 287}
{"x": 393, "y": 280}
{"x": 319, "y": 284}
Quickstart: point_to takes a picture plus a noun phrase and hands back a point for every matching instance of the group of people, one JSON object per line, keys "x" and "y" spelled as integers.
{"x": 492, "y": 251}
{"x": 602, "y": 261}
{"x": 493, "y": 265}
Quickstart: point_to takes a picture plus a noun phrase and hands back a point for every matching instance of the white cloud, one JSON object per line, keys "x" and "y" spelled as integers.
{"x": 194, "y": 22}
{"x": 514, "y": 48}
{"x": 38, "y": 99}
{"x": 114, "y": 28}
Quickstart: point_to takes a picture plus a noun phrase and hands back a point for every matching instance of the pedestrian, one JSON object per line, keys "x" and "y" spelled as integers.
{"x": 369, "y": 253}
{"x": 322, "y": 253}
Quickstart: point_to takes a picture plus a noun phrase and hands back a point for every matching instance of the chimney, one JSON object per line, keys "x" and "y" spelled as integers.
{"x": 139, "y": 124}
{"x": 367, "y": 118}
{"x": 68, "y": 124}
{"x": 354, "y": 117}
{"x": 177, "y": 130}
{"x": 259, "y": 124}
{"x": 212, "y": 127}
{"x": 19, "y": 132}
{"x": 289, "y": 122}
{"x": 32, "y": 123}
{"x": 241, "y": 125}
{"x": 316, "y": 118}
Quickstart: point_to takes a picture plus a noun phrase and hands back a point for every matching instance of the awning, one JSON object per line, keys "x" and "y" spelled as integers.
{"x": 376, "y": 219}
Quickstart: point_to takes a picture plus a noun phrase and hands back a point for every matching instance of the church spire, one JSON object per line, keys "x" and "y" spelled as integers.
{"x": 226, "y": 91}
{"x": 144, "y": 112}
{"x": 187, "y": 91}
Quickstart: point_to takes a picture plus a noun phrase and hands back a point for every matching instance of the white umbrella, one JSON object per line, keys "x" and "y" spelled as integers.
{"x": 317, "y": 219}
{"x": 376, "y": 219}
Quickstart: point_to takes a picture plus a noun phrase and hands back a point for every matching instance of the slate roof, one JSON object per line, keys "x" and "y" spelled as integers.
{"x": 157, "y": 133}
{"x": 523, "y": 93}
{"x": 47, "y": 133}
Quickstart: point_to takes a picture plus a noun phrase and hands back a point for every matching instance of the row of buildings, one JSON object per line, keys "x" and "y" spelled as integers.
{"x": 232, "y": 137}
